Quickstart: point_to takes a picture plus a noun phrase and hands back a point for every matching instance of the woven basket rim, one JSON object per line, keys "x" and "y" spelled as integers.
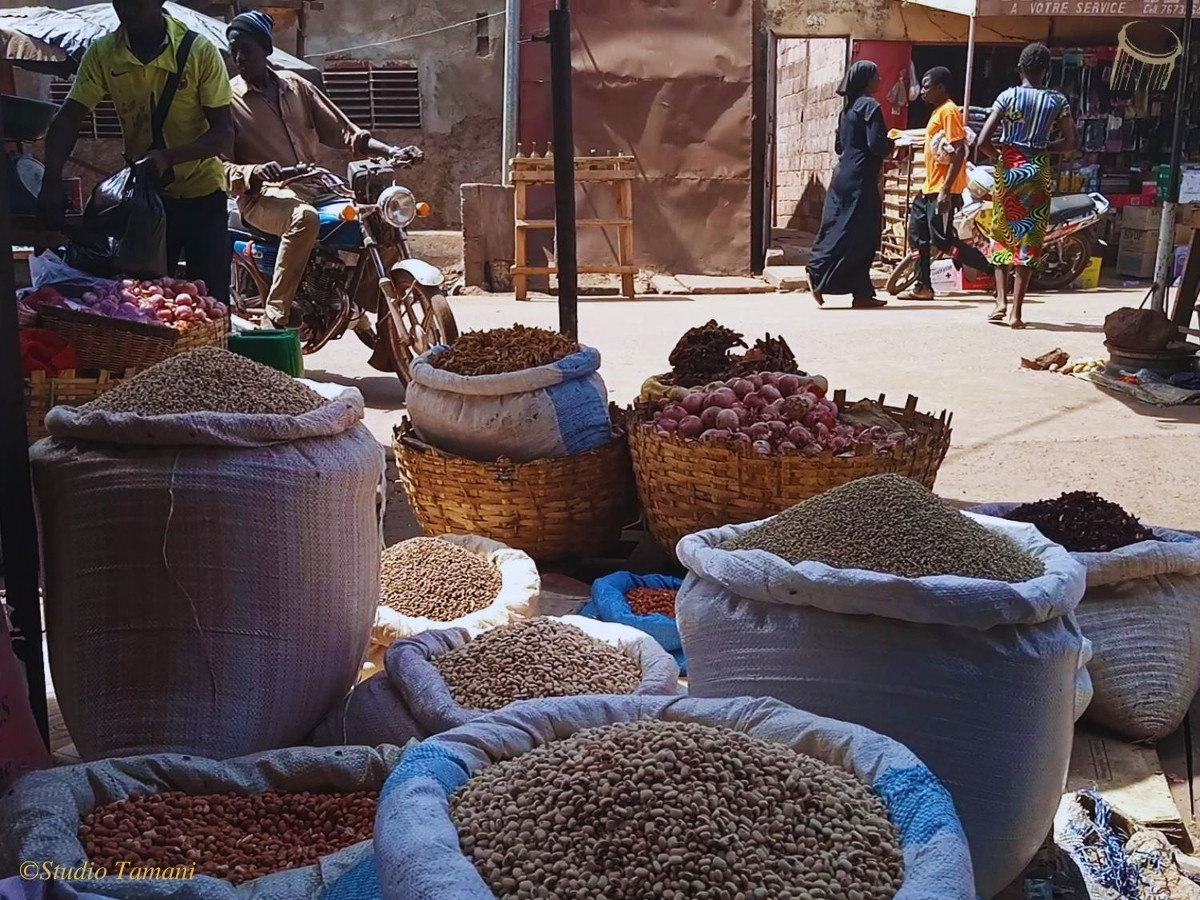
{"x": 142, "y": 329}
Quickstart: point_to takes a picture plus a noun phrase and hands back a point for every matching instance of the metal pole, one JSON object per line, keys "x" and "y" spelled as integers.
{"x": 564, "y": 170}
{"x": 1164, "y": 265}
{"x": 512, "y": 84}
{"x": 970, "y": 69}
{"x": 18, "y": 528}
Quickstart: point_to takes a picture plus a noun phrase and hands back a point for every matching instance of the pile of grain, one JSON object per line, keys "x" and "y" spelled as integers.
{"x": 673, "y": 810}
{"x": 645, "y": 601}
{"x": 891, "y": 524}
{"x": 209, "y": 379}
{"x": 436, "y": 579}
{"x": 503, "y": 350}
{"x": 535, "y": 658}
{"x": 1083, "y": 522}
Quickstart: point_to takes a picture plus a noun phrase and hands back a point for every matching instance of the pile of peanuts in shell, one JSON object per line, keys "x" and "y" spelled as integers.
{"x": 436, "y": 579}
{"x": 645, "y": 601}
{"x": 231, "y": 836}
{"x": 673, "y": 810}
{"x": 534, "y": 658}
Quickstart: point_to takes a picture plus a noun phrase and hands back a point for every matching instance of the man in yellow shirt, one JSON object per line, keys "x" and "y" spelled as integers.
{"x": 931, "y": 221}
{"x": 132, "y": 65}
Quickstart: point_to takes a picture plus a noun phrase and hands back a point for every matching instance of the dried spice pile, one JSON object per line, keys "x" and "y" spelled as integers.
{"x": 436, "y": 579}
{"x": 891, "y": 524}
{"x": 228, "y": 836}
{"x": 673, "y": 810}
{"x": 705, "y": 354}
{"x": 644, "y": 601}
{"x": 503, "y": 350}
{"x": 535, "y": 658}
{"x": 1083, "y": 522}
{"x": 209, "y": 379}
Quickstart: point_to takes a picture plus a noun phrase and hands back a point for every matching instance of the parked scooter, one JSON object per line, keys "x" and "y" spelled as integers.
{"x": 1070, "y": 243}
{"x": 361, "y": 263}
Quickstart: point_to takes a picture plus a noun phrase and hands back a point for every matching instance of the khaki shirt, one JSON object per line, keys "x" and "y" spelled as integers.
{"x": 288, "y": 134}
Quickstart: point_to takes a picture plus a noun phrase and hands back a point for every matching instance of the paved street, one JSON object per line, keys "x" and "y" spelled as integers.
{"x": 1017, "y": 434}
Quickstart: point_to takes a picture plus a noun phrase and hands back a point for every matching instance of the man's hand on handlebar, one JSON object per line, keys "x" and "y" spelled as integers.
{"x": 410, "y": 155}
{"x": 267, "y": 172}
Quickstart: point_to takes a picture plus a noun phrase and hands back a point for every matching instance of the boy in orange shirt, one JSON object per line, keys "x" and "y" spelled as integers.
{"x": 931, "y": 223}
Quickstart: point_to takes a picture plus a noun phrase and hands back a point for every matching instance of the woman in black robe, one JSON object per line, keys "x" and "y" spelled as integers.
{"x": 852, "y": 222}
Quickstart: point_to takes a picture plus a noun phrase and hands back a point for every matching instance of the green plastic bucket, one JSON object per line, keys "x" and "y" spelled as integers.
{"x": 278, "y": 348}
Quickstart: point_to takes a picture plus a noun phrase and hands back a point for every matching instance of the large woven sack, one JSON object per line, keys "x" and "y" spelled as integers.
{"x": 978, "y": 678}
{"x": 556, "y": 410}
{"x": 417, "y": 848}
{"x": 40, "y": 817}
{"x": 1141, "y": 611}
{"x": 18, "y": 888}
{"x": 211, "y": 580}
{"x": 372, "y": 712}
{"x": 608, "y": 604}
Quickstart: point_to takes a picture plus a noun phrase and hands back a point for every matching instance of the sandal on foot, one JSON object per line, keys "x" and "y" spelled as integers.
{"x": 867, "y": 303}
{"x": 997, "y": 316}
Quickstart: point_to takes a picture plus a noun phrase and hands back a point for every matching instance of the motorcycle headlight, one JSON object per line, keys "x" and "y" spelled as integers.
{"x": 398, "y": 206}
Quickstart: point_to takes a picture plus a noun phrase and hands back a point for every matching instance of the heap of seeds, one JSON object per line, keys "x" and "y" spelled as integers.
{"x": 891, "y": 524}
{"x": 644, "y": 601}
{"x": 436, "y": 579}
{"x": 674, "y": 810}
{"x": 503, "y": 350}
{"x": 535, "y": 658}
{"x": 228, "y": 836}
{"x": 209, "y": 379}
{"x": 1083, "y": 522}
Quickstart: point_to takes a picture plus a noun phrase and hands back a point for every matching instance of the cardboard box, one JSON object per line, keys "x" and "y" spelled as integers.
{"x": 1188, "y": 214}
{"x": 1183, "y": 235}
{"x": 1141, "y": 218}
{"x": 1135, "y": 255}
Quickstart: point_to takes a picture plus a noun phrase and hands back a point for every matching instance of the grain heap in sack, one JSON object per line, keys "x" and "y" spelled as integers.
{"x": 1141, "y": 610}
{"x": 876, "y": 603}
{"x": 519, "y": 393}
{"x": 658, "y": 797}
{"x": 243, "y": 507}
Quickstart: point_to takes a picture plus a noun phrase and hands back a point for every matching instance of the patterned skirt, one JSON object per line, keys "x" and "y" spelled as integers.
{"x": 1020, "y": 207}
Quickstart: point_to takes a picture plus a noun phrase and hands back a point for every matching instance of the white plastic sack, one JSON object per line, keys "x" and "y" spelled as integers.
{"x": 210, "y": 580}
{"x": 417, "y": 848}
{"x": 978, "y": 678}
{"x": 1141, "y": 612}
{"x": 40, "y": 817}
{"x": 550, "y": 411}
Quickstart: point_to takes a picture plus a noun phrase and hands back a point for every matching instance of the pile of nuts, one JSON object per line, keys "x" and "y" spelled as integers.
{"x": 503, "y": 350}
{"x": 645, "y": 601}
{"x": 535, "y": 658}
{"x": 209, "y": 379}
{"x": 1083, "y": 522}
{"x": 436, "y": 579}
{"x": 889, "y": 523}
{"x": 230, "y": 836}
{"x": 674, "y": 810}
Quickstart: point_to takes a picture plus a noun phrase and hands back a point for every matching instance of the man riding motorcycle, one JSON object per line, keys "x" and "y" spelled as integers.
{"x": 279, "y": 121}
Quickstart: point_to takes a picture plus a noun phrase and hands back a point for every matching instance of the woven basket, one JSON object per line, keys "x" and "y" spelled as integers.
{"x": 116, "y": 344}
{"x": 69, "y": 388}
{"x": 552, "y": 509}
{"x": 686, "y": 486}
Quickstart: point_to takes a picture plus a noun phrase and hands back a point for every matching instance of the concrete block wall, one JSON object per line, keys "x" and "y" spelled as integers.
{"x": 809, "y": 71}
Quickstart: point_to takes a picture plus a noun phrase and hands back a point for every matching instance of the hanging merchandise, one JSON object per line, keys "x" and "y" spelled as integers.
{"x": 906, "y": 89}
{"x": 1134, "y": 67}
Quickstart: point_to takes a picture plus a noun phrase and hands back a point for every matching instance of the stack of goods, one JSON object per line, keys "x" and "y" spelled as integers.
{"x": 868, "y": 603}
{"x": 279, "y": 487}
{"x": 645, "y": 602}
{"x": 1141, "y": 610}
{"x": 510, "y": 436}
{"x": 279, "y": 824}
{"x": 666, "y": 797}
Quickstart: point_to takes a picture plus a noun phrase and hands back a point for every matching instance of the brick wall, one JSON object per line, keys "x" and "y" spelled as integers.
{"x": 808, "y": 74}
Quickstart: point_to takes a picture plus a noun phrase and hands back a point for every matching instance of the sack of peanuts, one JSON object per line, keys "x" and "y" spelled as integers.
{"x": 279, "y": 825}
{"x": 452, "y": 581}
{"x": 1141, "y": 611}
{"x": 211, "y": 524}
{"x": 551, "y": 410}
{"x": 644, "y": 602}
{"x": 463, "y": 811}
{"x": 879, "y": 604}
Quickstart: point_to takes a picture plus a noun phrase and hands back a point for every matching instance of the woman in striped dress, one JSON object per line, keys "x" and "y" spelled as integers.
{"x": 1019, "y": 133}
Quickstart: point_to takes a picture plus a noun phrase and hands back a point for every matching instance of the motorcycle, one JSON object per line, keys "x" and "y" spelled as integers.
{"x": 361, "y": 260}
{"x": 1070, "y": 242}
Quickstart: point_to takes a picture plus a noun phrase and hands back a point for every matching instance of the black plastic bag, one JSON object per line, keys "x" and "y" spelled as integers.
{"x": 124, "y": 228}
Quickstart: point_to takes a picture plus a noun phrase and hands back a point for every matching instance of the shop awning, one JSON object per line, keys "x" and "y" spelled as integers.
{"x": 1124, "y": 9}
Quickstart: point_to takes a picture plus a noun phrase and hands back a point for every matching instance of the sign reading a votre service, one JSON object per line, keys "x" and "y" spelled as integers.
{"x": 1130, "y": 9}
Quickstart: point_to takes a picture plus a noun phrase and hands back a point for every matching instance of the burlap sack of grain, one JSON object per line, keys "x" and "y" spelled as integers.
{"x": 1141, "y": 611}
{"x": 211, "y": 580}
{"x": 556, "y": 410}
{"x": 372, "y": 712}
{"x": 417, "y": 847}
{"x": 978, "y": 678}
{"x": 40, "y": 818}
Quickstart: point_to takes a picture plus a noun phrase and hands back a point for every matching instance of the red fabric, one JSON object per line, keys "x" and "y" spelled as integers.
{"x": 46, "y": 351}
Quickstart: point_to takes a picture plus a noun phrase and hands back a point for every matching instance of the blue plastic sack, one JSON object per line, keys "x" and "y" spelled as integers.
{"x": 608, "y": 604}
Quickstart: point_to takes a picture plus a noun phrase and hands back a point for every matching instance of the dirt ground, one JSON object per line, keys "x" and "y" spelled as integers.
{"x": 1018, "y": 435}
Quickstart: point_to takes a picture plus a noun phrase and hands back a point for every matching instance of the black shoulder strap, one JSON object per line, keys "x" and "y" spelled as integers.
{"x": 159, "y": 116}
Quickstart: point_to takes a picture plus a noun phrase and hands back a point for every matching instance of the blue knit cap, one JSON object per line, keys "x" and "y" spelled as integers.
{"x": 255, "y": 25}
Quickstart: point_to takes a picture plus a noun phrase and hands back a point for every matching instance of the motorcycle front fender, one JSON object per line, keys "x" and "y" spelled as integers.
{"x": 422, "y": 272}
